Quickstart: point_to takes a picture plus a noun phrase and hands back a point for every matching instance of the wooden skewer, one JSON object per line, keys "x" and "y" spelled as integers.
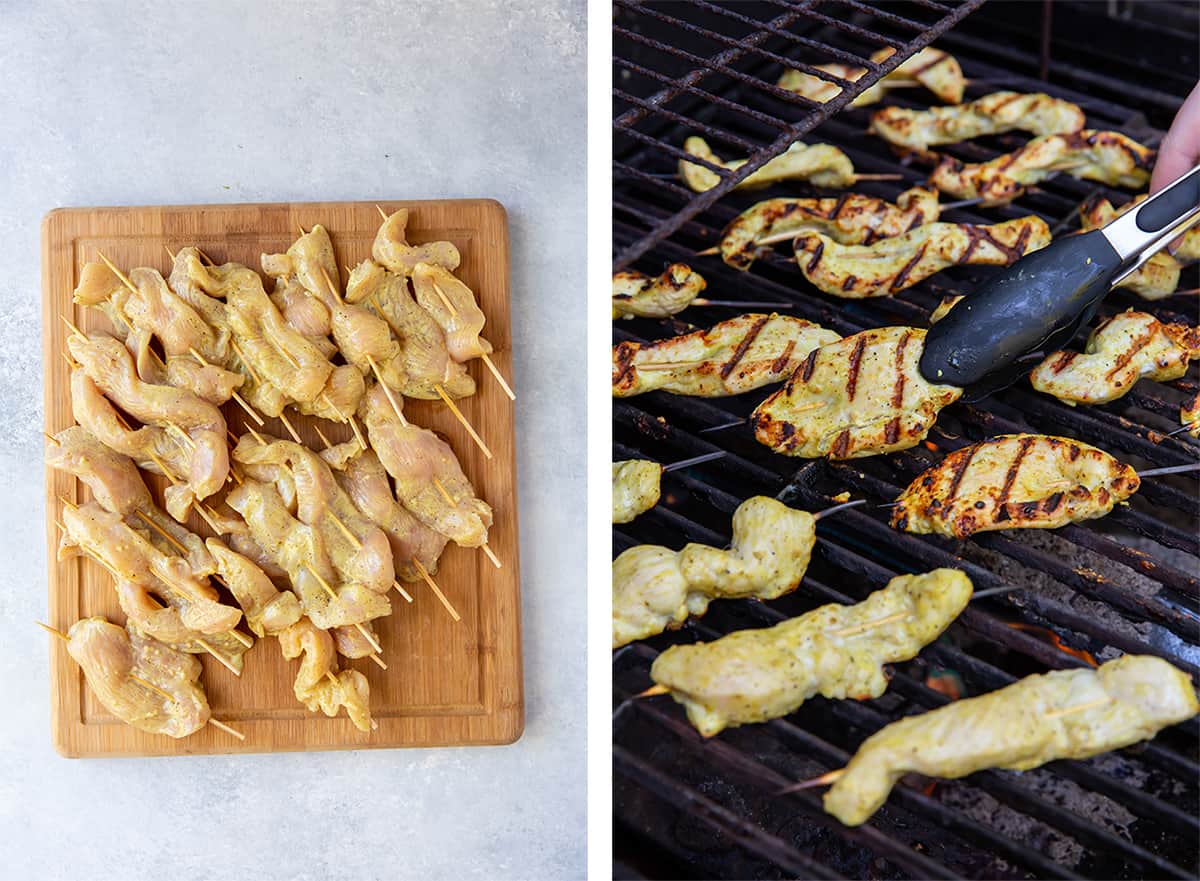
{"x": 381, "y": 212}
{"x": 332, "y": 678}
{"x": 441, "y": 487}
{"x": 183, "y": 434}
{"x": 209, "y": 260}
{"x": 334, "y": 289}
{"x": 208, "y": 517}
{"x": 242, "y": 357}
{"x": 118, "y": 273}
{"x": 491, "y": 556}
{"x": 290, "y": 357}
{"x": 653, "y": 691}
{"x": 162, "y": 466}
{"x": 387, "y": 391}
{"x": 321, "y": 435}
{"x": 743, "y": 304}
{"x": 353, "y": 539}
{"x": 225, "y": 662}
{"x": 665, "y": 365}
{"x": 378, "y": 661}
{"x": 150, "y": 685}
{"x": 1079, "y": 707}
{"x": 51, "y": 438}
{"x": 436, "y": 590}
{"x": 71, "y": 362}
{"x": 871, "y": 625}
{"x": 170, "y": 253}
{"x": 290, "y": 428}
{"x": 483, "y": 355}
{"x": 249, "y": 410}
{"x": 860, "y": 177}
{"x": 226, "y": 729}
{"x": 67, "y": 321}
{"x": 366, "y": 634}
{"x": 463, "y": 419}
{"x": 823, "y": 780}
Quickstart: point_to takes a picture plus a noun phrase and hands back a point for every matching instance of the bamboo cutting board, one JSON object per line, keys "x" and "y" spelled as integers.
{"x": 447, "y": 683}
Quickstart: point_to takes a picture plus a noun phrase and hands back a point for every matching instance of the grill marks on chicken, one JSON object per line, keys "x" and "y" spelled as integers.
{"x": 1108, "y": 157}
{"x": 1064, "y": 714}
{"x": 835, "y": 651}
{"x": 859, "y": 396}
{"x": 999, "y": 112}
{"x": 1016, "y": 481}
{"x": 934, "y": 69}
{"x": 1125, "y": 348}
{"x": 732, "y": 357}
{"x": 850, "y": 219}
{"x": 655, "y": 588}
{"x": 313, "y": 686}
{"x": 822, "y": 165}
{"x": 1158, "y": 277}
{"x": 111, "y": 657}
{"x": 636, "y": 487}
{"x": 891, "y": 265}
{"x": 637, "y": 295}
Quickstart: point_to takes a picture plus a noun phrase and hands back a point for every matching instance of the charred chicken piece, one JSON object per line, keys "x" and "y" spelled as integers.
{"x": 1064, "y": 714}
{"x": 1189, "y": 414}
{"x": 636, "y": 488}
{"x": 1016, "y": 481}
{"x": 860, "y": 396}
{"x": 452, "y": 305}
{"x": 313, "y": 687}
{"x": 822, "y": 165}
{"x": 835, "y": 651}
{"x": 1108, "y": 157}
{"x": 891, "y": 265}
{"x": 637, "y": 295}
{"x": 114, "y": 659}
{"x": 850, "y": 219}
{"x": 1158, "y": 277}
{"x": 392, "y": 251}
{"x": 730, "y": 358}
{"x": 999, "y": 112}
{"x": 1125, "y": 348}
{"x": 932, "y": 68}
{"x": 655, "y": 588}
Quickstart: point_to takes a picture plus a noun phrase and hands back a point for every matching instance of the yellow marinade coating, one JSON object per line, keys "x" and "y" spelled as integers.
{"x": 1066, "y": 714}
{"x": 635, "y": 489}
{"x": 655, "y": 588}
{"x": 637, "y": 295}
{"x": 835, "y": 651}
{"x": 822, "y": 165}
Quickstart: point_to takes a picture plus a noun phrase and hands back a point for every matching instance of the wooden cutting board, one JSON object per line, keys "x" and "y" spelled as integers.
{"x": 447, "y": 683}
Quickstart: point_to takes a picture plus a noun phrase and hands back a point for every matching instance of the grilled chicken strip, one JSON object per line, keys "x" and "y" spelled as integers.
{"x": 1016, "y": 481}
{"x": 1108, "y": 157}
{"x": 423, "y": 362}
{"x": 850, "y": 219}
{"x": 392, "y": 251}
{"x": 835, "y": 651}
{"x": 822, "y": 165}
{"x": 415, "y": 457}
{"x": 655, "y": 588}
{"x": 934, "y": 69}
{"x": 452, "y": 305}
{"x": 890, "y": 265}
{"x": 1120, "y": 351}
{"x": 1158, "y": 277}
{"x": 313, "y": 687}
{"x": 111, "y": 658}
{"x": 993, "y": 114}
{"x": 860, "y": 396}
{"x": 636, "y": 487}
{"x": 1064, "y": 714}
{"x": 637, "y": 295}
{"x": 109, "y": 365}
{"x": 732, "y": 357}
{"x": 364, "y": 479}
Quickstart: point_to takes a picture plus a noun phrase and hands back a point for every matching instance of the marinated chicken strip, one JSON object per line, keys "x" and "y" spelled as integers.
{"x": 362, "y": 476}
{"x": 424, "y": 361}
{"x": 860, "y": 396}
{"x": 109, "y": 365}
{"x": 1189, "y": 414}
{"x": 357, "y": 548}
{"x": 268, "y": 610}
{"x": 732, "y": 357}
{"x": 415, "y": 457}
{"x": 637, "y": 295}
{"x": 999, "y": 112}
{"x": 354, "y": 643}
{"x": 452, "y": 305}
{"x": 636, "y": 486}
{"x": 934, "y": 69}
{"x": 1125, "y": 348}
{"x": 1016, "y": 481}
{"x": 112, "y": 658}
{"x": 821, "y": 165}
{"x": 835, "y": 651}
{"x": 1064, "y": 714}
{"x": 313, "y": 687}
{"x": 850, "y": 219}
{"x": 888, "y": 266}
{"x": 298, "y": 549}
{"x": 391, "y": 250}
{"x": 655, "y": 588}
{"x": 1108, "y": 157}
{"x": 1158, "y": 277}
{"x": 303, "y": 311}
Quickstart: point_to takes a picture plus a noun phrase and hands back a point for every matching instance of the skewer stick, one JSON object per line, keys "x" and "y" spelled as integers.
{"x": 653, "y": 691}
{"x": 208, "y": 517}
{"x": 353, "y": 539}
{"x": 249, "y": 410}
{"x": 436, "y": 590}
{"x": 225, "y": 662}
{"x": 836, "y": 508}
{"x": 150, "y": 685}
{"x": 209, "y": 260}
{"x": 491, "y": 556}
{"x": 695, "y": 460}
{"x": 1190, "y": 426}
{"x": 290, "y": 428}
{"x": 290, "y": 357}
{"x": 381, "y": 212}
{"x": 483, "y": 355}
{"x": 463, "y": 419}
{"x": 71, "y": 362}
{"x": 321, "y": 435}
{"x": 162, "y": 466}
{"x": 871, "y": 625}
{"x": 67, "y": 321}
{"x": 375, "y": 657}
{"x": 1079, "y": 708}
{"x": 170, "y": 253}
{"x": 357, "y": 433}
{"x": 366, "y": 634}
{"x": 387, "y": 390}
{"x": 823, "y": 780}
{"x": 1173, "y": 469}
{"x": 118, "y": 273}
{"x": 221, "y": 725}
{"x": 862, "y": 177}
{"x": 329, "y": 675}
{"x": 183, "y": 434}
{"x": 334, "y": 289}
{"x": 441, "y": 487}
{"x": 742, "y": 304}
{"x": 51, "y": 438}
{"x": 665, "y": 365}
{"x": 242, "y": 357}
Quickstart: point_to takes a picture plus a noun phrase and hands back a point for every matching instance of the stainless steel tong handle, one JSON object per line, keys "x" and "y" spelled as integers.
{"x": 1138, "y": 234}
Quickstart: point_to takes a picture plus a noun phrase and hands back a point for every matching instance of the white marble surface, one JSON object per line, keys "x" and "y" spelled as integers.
{"x": 167, "y": 102}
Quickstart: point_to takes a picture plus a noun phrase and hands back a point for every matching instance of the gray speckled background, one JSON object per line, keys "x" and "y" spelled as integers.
{"x": 122, "y": 103}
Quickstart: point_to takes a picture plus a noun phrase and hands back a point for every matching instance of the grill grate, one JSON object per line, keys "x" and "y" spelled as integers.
{"x": 1127, "y": 583}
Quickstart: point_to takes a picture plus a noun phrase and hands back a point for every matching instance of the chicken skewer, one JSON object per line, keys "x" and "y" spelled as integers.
{"x": 754, "y": 675}
{"x": 636, "y": 486}
{"x": 122, "y": 666}
{"x": 850, "y": 219}
{"x": 1064, "y": 714}
{"x": 937, "y": 71}
{"x": 732, "y": 357}
{"x": 892, "y": 265}
{"x": 822, "y": 165}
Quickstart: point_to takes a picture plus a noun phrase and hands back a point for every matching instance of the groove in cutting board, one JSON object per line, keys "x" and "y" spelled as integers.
{"x": 447, "y": 684}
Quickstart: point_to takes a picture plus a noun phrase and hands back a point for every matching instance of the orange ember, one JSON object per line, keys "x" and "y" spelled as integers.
{"x": 1051, "y": 637}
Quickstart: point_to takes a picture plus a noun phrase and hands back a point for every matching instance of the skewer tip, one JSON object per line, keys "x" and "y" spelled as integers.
{"x": 653, "y": 691}
{"x": 53, "y": 630}
{"x": 223, "y": 727}
{"x": 823, "y": 780}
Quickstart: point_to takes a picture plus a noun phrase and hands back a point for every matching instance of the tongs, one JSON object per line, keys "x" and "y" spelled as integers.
{"x": 999, "y": 332}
